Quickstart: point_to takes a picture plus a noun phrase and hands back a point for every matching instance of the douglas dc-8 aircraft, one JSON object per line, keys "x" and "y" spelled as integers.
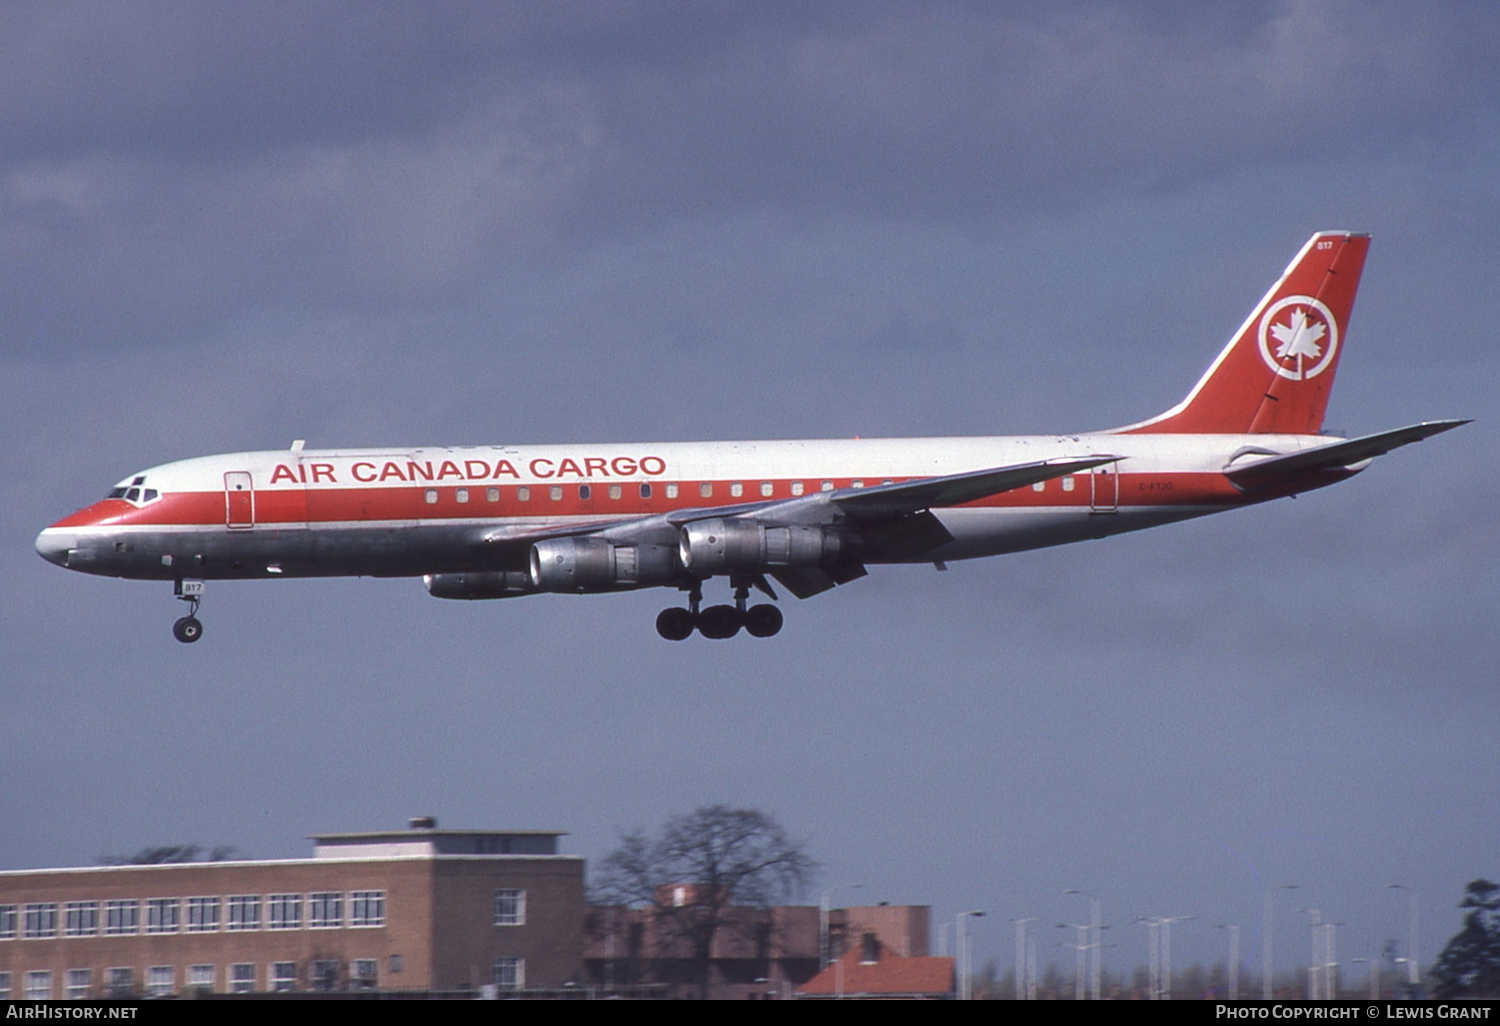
{"x": 489, "y": 522}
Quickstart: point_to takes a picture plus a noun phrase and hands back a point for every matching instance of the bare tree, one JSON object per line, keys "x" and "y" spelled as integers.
{"x": 699, "y": 867}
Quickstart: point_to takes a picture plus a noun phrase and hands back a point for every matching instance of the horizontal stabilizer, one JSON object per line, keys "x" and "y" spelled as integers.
{"x": 957, "y": 489}
{"x": 1335, "y": 456}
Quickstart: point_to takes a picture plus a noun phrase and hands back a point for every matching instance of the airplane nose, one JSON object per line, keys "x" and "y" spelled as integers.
{"x": 53, "y": 547}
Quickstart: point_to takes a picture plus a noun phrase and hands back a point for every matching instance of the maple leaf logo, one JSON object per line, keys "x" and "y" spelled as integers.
{"x": 1299, "y": 337}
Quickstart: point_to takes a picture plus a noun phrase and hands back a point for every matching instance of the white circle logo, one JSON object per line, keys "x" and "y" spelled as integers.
{"x": 1304, "y": 335}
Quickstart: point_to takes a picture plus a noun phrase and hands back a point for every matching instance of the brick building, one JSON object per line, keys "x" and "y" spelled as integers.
{"x": 420, "y": 909}
{"x": 770, "y": 952}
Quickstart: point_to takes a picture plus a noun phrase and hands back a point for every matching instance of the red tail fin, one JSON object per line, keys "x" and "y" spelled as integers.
{"x": 1275, "y": 375}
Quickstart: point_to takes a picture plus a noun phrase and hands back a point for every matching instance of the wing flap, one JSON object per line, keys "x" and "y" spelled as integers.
{"x": 1336, "y": 456}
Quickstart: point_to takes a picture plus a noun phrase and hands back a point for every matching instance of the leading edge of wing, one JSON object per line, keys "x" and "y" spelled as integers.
{"x": 1335, "y": 456}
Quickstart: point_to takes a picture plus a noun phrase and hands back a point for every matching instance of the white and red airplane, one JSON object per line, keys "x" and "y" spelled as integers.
{"x": 497, "y": 521}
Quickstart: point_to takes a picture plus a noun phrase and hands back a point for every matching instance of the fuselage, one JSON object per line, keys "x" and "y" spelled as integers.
{"x": 413, "y": 512}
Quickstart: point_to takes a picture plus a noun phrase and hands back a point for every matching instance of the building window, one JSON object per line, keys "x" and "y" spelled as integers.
{"x": 325, "y": 910}
{"x": 367, "y": 908}
{"x": 39, "y": 985}
{"x": 283, "y": 976}
{"x": 81, "y": 918}
{"x": 242, "y": 978}
{"x": 201, "y": 978}
{"x": 5, "y": 986}
{"x": 202, "y": 915}
{"x": 510, "y": 906}
{"x": 284, "y": 912}
{"x": 7, "y": 922}
{"x": 324, "y": 975}
{"x": 244, "y": 912}
{"x": 362, "y": 974}
{"x": 122, "y": 917}
{"x": 78, "y": 984}
{"x": 159, "y": 981}
{"x": 395, "y": 963}
{"x": 510, "y": 973}
{"x": 119, "y": 982}
{"x": 161, "y": 915}
{"x": 41, "y": 922}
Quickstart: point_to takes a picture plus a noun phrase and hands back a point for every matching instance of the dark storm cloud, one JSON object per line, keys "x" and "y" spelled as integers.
{"x": 167, "y": 164}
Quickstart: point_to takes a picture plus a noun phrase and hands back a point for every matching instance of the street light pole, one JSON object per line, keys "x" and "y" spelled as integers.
{"x": 1267, "y": 980}
{"x": 1021, "y": 988}
{"x": 962, "y": 940}
{"x": 1234, "y": 959}
{"x": 1096, "y": 941}
{"x": 1413, "y": 970}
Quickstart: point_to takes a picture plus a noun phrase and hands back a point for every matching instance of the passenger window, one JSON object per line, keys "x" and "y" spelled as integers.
{"x": 1039, "y": 486}
{"x": 645, "y": 491}
{"x": 431, "y": 496}
{"x": 585, "y": 492}
{"x": 671, "y": 491}
{"x": 614, "y": 491}
{"x": 462, "y": 495}
{"x": 492, "y": 495}
{"x": 885, "y": 481}
{"x": 1068, "y": 483}
{"x": 706, "y": 489}
{"x": 523, "y": 494}
{"x": 796, "y": 487}
{"x": 826, "y": 486}
{"x": 736, "y": 490}
{"x": 555, "y": 493}
{"x": 766, "y": 489}
{"x": 856, "y": 484}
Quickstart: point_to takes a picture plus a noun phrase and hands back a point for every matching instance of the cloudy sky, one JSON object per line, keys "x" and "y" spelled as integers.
{"x": 226, "y": 226}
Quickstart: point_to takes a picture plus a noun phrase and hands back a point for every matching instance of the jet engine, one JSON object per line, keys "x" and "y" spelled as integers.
{"x": 593, "y": 564}
{"x": 478, "y": 586}
{"x": 709, "y": 547}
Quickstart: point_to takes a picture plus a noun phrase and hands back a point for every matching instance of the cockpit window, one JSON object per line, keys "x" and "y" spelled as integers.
{"x": 133, "y": 495}
{"x": 116, "y": 493}
{"x": 139, "y": 481}
{"x": 149, "y": 495}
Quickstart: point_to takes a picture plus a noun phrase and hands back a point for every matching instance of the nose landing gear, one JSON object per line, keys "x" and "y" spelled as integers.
{"x": 188, "y": 629}
{"x": 720, "y": 622}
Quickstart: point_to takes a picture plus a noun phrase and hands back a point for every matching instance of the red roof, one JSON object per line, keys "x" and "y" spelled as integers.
{"x": 891, "y": 975}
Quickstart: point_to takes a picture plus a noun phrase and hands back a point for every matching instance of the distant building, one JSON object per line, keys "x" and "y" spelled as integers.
{"x": 871, "y": 969}
{"x": 417, "y": 909}
{"x": 757, "y": 953}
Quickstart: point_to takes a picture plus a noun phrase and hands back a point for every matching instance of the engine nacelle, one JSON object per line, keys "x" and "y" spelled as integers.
{"x": 478, "y": 586}
{"x": 593, "y": 564}
{"x": 721, "y": 546}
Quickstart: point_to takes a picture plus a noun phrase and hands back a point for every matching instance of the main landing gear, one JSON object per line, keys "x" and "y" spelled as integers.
{"x": 188, "y": 629}
{"x": 718, "y": 622}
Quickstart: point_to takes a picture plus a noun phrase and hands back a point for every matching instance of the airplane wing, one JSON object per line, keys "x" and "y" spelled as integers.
{"x": 1334, "y": 456}
{"x": 894, "y": 519}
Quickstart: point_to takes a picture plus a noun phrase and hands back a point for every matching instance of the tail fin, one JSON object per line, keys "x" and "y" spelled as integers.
{"x": 1275, "y": 375}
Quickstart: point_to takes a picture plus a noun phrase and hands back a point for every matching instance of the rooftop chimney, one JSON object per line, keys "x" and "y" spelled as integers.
{"x": 422, "y": 823}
